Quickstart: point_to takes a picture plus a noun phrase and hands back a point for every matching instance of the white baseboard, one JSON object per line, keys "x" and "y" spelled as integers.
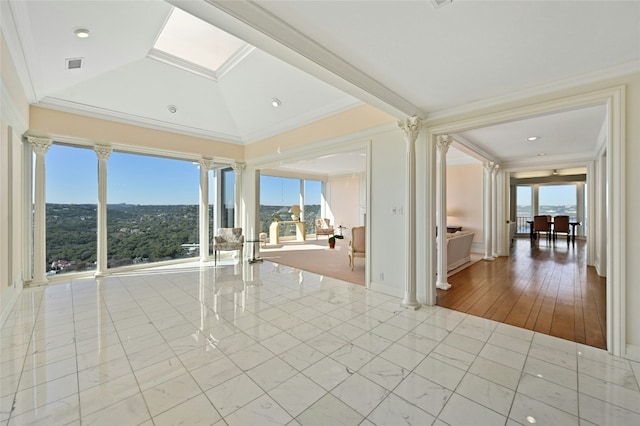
{"x": 633, "y": 353}
{"x": 477, "y": 247}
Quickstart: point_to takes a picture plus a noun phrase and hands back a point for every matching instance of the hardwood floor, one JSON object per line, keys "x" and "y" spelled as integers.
{"x": 546, "y": 288}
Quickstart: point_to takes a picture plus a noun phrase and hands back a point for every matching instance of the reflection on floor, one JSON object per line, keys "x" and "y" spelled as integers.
{"x": 545, "y": 288}
{"x": 259, "y": 345}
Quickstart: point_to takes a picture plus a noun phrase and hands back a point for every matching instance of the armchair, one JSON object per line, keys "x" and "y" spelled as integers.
{"x": 323, "y": 227}
{"x": 357, "y": 246}
{"x": 228, "y": 239}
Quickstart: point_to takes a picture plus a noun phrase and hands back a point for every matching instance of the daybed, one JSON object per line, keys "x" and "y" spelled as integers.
{"x": 458, "y": 248}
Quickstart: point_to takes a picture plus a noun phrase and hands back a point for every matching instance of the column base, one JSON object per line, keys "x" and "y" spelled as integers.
{"x": 37, "y": 282}
{"x": 488, "y": 258}
{"x": 443, "y": 286}
{"x": 410, "y": 305}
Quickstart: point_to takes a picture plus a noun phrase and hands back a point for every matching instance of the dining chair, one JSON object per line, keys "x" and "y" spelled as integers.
{"x": 561, "y": 226}
{"x": 541, "y": 224}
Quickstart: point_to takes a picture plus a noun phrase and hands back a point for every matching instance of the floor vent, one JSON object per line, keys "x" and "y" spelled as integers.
{"x": 74, "y": 63}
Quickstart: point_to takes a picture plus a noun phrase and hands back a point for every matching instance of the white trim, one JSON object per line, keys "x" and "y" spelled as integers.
{"x": 614, "y": 98}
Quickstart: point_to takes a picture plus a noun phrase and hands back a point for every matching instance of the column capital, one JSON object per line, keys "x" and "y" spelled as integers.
{"x": 40, "y": 145}
{"x": 443, "y": 142}
{"x": 410, "y": 126}
{"x": 489, "y": 166}
{"x": 103, "y": 152}
{"x": 496, "y": 168}
{"x": 238, "y": 167}
{"x": 205, "y": 163}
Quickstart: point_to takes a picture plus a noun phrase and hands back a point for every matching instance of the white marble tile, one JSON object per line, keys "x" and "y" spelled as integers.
{"x": 608, "y": 392}
{"x": 608, "y": 373}
{"x": 280, "y": 343}
{"x": 602, "y": 413}
{"x": 131, "y": 410}
{"x": 509, "y": 342}
{"x": 106, "y": 394}
{"x": 453, "y": 356}
{"x": 60, "y": 412}
{"x": 305, "y": 331}
{"x": 228, "y": 396}
{"x": 418, "y": 343}
{"x": 467, "y": 344}
{"x": 389, "y": 332}
{"x": 263, "y": 411}
{"x": 196, "y": 358}
{"x": 327, "y": 373}
{"x": 372, "y": 343}
{"x": 360, "y": 393}
{"x": 251, "y": 356}
{"x": 352, "y": 356}
{"x": 496, "y": 373}
{"x": 402, "y": 356}
{"x": 170, "y": 393}
{"x": 394, "y": 410}
{"x": 215, "y": 372}
{"x": 469, "y": 330}
{"x": 552, "y": 373}
{"x": 271, "y": 373}
{"x": 384, "y": 373}
{"x": 503, "y": 356}
{"x": 554, "y": 356}
{"x": 425, "y": 394}
{"x": 486, "y": 393}
{"x": 329, "y": 410}
{"x": 45, "y": 393}
{"x": 45, "y": 373}
{"x": 403, "y": 322}
{"x": 440, "y": 372}
{"x": 297, "y": 394}
{"x": 326, "y": 343}
{"x": 517, "y": 332}
{"x": 103, "y": 373}
{"x": 555, "y": 343}
{"x": 155, "y": 374}
{"x": 301, "y": 356}
{"x": 462, "y": 411}
{"x": 525, "y": 408}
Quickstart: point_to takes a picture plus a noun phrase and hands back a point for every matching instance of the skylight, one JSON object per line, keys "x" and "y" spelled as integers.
{"x": 193, "y": 41}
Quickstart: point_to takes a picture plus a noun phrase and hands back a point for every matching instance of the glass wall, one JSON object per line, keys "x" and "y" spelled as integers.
{"x": 152, "y": 210}
{"x": 277, "y": 195}
{"x": 524, "y": 208}
{"x": 312, "y": 204}
{"x": 228, "y": 198}
{"x": 71, "y": 208}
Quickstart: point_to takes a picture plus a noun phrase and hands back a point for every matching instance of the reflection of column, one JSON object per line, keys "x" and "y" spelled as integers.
{"x": 103, "y": 153}
{"x": 442, "y": 143}
{"x": 494, "y": 210}
{"x": 237, "y": 168}
{"x": 203, "y": 226}
{"x": 40, "y": 147}
{"x": 410, "y": 127}
{"x": 488, "y": 220}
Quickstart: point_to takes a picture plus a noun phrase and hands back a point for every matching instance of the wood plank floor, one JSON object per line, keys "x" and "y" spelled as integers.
{"x": 546, "y": 288}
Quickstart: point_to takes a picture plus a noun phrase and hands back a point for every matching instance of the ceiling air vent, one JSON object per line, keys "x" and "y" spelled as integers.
{"x": 74, "y": 63}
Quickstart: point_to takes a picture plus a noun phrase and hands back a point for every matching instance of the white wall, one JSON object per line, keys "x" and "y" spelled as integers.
{"x": 343, "y": 200}
{"x": 464, "y": 198}
{"x": 387, "y": 235}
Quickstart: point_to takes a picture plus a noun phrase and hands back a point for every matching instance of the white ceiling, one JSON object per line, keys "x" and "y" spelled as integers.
{"x": 404, "y": 57}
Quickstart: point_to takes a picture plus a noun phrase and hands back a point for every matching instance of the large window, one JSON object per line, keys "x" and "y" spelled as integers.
{"x": 524, "y": 208}
{"x": 228, "y": 198}
{"x": 312, "y": 204}
{"x": 152, "y": 211}
{"x": 277, "y": 195}
{"x": 71, "y": 221}
{"x": 557, "y": 200}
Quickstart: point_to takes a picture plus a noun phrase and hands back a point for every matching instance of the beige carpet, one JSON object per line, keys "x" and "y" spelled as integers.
{"x": 315, "y": 256}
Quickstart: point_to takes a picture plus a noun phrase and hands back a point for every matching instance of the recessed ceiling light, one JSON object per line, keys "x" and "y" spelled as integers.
{"x": 533, "y": 138}
{"x": 554, "y": 172}
{"x": 542, "y": 154}
{"x": 531, "y": 419}
{"x": 172, "y": 109}
{"x": 275, "y": 102}
{"x": 81, "y": 33}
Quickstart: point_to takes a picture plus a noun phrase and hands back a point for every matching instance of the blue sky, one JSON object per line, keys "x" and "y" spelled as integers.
{"x": 72, "y": 178}
{"x": 548, "y": 195}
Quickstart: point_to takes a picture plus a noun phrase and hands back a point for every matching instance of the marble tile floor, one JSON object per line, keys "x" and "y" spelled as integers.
{"x": 270, "y": 345}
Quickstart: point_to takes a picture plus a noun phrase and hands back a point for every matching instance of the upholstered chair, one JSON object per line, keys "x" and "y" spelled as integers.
{"x": 228, "y": 239}
{"x": 561, "y": 226}
{"x": 541, "y": 224}
{"x": 323, "y": 227}
{"x": 357, "y": 246}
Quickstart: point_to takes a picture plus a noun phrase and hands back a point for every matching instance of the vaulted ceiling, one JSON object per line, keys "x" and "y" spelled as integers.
{"x": 319, "y": 58}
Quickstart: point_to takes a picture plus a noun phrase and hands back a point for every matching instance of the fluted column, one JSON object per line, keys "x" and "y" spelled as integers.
{"x": 237, "y": 168}
{"x": 442, "y": 143}
{"x": 488, "y": 206}
{"x": 40, "y": 147}
{"x": 203, "y": 226}
{"x": 494, "y": 210}
{"x": 103, "y": 153}
{"x": 410, "y": 128}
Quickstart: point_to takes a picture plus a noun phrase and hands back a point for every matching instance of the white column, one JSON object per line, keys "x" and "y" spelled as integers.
{"x": 237, "y": 218}
{"x": 203, "y": 225}
{"x": 40, "y": 147}
{"x": 103, "y": 153}
{"x": 494, "y": 210}
{"x": 410, "y": 128}
{"x": 442, "y": 144}
{"x": 488, "y": 204}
